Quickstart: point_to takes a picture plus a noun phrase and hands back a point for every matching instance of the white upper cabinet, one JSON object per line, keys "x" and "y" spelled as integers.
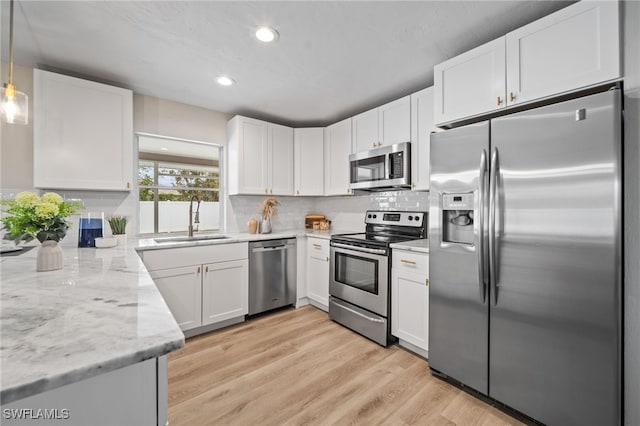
{"x": 394, "y": 121}
{"x": 337, "y": 149}
{"x": 365, "y": 131}
{"x": 422, "y": 124}
{"x": 247, "y": 150}
{"x": 280, "y": 165}
{"x": 260, "y": 157}
{"x": 385, "y": 125}
{"x": 309, "y": 161}
{"x": 573, "y": 48}
{"x": 470, "y": 83}
{"x": 83, "y": 134}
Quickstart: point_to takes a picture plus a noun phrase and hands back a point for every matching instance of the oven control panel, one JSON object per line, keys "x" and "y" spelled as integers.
{"x": 375, "y": 217}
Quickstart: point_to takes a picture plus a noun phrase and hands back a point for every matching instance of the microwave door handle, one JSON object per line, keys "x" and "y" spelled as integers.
{"x": 388, "y": 166}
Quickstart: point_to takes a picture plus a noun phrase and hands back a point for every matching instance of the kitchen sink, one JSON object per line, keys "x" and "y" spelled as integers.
{"x": 168, "y": 240}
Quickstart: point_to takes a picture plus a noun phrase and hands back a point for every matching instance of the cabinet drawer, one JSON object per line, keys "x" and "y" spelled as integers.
{"x": 317, "y": 247}
{"x": 411, "y": 261}
{"x": 185, "y": 256}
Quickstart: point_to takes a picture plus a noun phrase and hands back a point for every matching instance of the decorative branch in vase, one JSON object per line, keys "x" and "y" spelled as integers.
{"x": 29, "y": 217}
{"x": 269, "y": 210}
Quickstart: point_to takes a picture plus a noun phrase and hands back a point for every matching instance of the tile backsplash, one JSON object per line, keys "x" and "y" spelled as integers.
{"x": 346, "y": 213}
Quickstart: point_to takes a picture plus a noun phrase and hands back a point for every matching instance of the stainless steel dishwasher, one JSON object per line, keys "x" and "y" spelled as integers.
{"x": 272, "y": 274}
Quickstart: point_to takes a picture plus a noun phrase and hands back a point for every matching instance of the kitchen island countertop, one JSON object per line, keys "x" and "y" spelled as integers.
{"x": 99, "y": 313}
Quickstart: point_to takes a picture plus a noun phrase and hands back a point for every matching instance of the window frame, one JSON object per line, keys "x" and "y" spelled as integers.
{"x": 221, "y": 190}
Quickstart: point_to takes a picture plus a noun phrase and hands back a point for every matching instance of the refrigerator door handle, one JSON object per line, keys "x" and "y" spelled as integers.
{"x": 480, "y": 218}
{"x": 493, "y": 264}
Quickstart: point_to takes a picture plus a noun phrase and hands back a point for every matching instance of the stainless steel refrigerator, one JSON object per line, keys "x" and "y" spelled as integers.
{"x": 525, "y": 259}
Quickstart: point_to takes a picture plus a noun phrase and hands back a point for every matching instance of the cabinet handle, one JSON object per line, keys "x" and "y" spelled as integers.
{"x": 266, "y": 191}
{"x": 426, "y": 282}
{"x": 198, "y": 269}
{"x": 128, "y": 185}
{"x": 499, "y": 100}
{"x": 327, "y": 259}
{"x": 206, "y": 269}
{"x": 271, "y": 191}
{"x": 410, "y": 262}
{"x": 413, "y": 185}
{"x": 511, "y": 97}
{"x": 298, "y": 192}
{"x": 317, "y": 246}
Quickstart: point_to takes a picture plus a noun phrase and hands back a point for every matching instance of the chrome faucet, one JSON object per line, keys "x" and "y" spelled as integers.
{"x": 193, "y": 220}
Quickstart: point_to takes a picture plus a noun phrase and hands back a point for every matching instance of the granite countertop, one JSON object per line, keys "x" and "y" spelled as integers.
{"x": 99, "y": 313}
{"x": 421, "y": 246}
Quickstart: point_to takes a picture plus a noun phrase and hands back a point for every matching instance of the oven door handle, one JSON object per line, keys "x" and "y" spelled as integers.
{"x": 358, "y": 248}
{"x": 353, "y": 311}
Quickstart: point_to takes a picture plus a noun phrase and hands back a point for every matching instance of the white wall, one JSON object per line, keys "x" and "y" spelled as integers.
{"x": 631, "y": 40}
{"x": 150, "y": 115}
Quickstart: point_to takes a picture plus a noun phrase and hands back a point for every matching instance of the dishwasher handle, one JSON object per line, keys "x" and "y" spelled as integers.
{"x": 270, "y": 248}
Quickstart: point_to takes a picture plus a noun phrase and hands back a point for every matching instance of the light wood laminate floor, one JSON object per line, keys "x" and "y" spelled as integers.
{"x": 297, "y": 367}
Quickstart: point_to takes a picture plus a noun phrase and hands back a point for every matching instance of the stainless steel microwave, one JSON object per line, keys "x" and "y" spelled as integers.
{"x": 383, "y": 168}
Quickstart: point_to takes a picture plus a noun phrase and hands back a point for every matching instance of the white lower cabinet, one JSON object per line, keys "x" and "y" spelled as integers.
{"x": 318, "y": 272}
{"x": 181, "y": 289}
{"x": 202, "y": 294}
{"x": 224, "y": 291}
{"x": 410, "y": 300}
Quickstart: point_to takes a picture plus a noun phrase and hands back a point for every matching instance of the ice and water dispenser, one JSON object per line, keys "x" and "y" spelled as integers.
{"x": 457, "y": 218}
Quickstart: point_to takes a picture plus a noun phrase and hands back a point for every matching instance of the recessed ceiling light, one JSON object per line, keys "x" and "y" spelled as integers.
{"x": 225, "y": 81}
{"x": 164, "y": 149}
{"x": 266, "y": 34}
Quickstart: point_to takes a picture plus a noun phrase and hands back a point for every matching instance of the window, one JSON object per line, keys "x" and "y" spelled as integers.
{"x": 170, "y": 173}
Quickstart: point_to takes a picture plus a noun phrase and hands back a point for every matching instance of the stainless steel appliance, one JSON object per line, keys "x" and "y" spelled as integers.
{"x": 272, "y": 274}
{"x": 359, "y": 272}
{"x": 381, "y": 168}
{"x": 525, "y": 259}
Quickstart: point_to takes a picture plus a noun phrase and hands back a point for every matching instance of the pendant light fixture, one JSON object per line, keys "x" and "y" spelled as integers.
{"x": 14, "y": 106}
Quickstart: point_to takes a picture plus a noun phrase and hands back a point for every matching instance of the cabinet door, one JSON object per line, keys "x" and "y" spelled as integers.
{"x": 337, "y": 151}
{"x": 280, "y": 160}
{"x": 309, "y": 161}
{"x": 318, "y": 271}
{"x": 365, "y": 131}
{"x": 182, "y": 290}
{"x": 83, "y": 134}
{"x": 252, "y": 147}
{"x": 422, "y": 124}
{"x": 410, "y": 298}
{"x": 471, "y": 83}
{"x": 394, "y": 121}
{"x": 225, "y": 291}
{"x": 575, "y": 47}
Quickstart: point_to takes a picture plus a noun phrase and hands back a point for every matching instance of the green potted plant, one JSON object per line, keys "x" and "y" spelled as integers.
{"x": 29, "y": 217}
{"x": 118, "y": 225}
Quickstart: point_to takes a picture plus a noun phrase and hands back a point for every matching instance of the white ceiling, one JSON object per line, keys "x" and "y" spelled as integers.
{"x": 332, "y": 60}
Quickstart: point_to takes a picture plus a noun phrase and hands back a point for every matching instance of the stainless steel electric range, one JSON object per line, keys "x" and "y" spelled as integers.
{"x": 360, "y": 271}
